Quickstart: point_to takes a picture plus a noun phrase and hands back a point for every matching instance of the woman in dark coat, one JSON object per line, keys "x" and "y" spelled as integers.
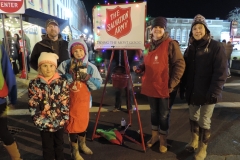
{"x": 202, "y": 83}
{"x": 17, "y": 38}
{"x": 12, "y": 49}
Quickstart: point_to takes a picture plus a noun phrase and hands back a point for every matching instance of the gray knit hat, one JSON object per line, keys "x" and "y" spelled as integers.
{"x": 199, "y": 19}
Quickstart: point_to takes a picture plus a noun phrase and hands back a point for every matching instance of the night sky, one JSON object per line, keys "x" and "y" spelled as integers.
{"x": 179, "y": 8}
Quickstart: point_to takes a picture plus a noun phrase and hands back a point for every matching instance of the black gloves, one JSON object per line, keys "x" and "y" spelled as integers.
{"x": 211, "y": 98}
{"x": 140, "y": 69}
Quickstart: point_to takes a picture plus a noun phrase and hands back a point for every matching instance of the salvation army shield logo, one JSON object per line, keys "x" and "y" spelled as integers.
{"x": 118, "y": 21}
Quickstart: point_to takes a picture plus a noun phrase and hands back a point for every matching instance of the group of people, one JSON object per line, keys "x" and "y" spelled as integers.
{"x": 199, "y": 76}
{"x": 64, "y": 71}
{"x": 15, "y": 47}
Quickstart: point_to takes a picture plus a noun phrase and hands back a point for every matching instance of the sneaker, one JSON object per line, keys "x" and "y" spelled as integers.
{"x": 229, "y": 76}
{"x": 131, "y": 111}
{"x": 115, "y": 110}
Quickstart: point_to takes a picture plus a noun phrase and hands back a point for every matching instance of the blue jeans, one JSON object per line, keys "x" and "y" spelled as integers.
{"x": 160, "y": 112}
{"x": 202, "y": 114}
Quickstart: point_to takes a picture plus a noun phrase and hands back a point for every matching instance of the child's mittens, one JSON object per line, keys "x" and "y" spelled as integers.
{"x": 83, "y": 76}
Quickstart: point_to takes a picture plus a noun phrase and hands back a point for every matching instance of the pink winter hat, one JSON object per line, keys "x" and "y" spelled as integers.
{"x": 48, "y": 57}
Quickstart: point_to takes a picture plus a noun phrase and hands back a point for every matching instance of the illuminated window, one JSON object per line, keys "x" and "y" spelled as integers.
{"x": 31, "y": 2}
{"x": 54, "y": 13}
{"x": 178, "y": 34}
{"x": 57, "y": 10}
{"x": 49, "y": 7}
{"x": 41, "y": 5}
{"x": 172, "y": 34}
{"x": 184, "y": 35}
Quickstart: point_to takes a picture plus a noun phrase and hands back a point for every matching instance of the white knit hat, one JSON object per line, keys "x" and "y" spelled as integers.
{"x": 48, "y": 57}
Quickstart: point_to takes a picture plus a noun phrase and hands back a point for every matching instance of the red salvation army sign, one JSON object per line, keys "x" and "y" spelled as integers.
{"x": 12, "y": 6}
{"x": 118, "y": 21}
{"x": 119, "y": 26}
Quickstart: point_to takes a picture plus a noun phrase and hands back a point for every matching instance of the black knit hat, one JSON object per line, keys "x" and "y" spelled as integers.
{"x": 199, "y": 19}
{"x": 159, "y": 21}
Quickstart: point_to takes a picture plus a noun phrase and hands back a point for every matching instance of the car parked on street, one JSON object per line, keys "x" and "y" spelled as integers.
{"x": 183, "y": 47}
{"x": 236, "y": 47}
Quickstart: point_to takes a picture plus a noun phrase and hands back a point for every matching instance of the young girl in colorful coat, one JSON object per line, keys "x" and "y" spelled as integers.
{"x": 83, "y": 77}
{"x": 49, "y": 105}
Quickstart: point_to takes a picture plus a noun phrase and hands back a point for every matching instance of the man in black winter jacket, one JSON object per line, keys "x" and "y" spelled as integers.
{"x": 51, "y": 42}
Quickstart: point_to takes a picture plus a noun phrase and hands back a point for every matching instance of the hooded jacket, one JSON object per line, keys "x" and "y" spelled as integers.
{"x": 95, "y": 80}
{"x": 206, "y": 70}
{"x": 46, "y": 45}
{"x": 49, "y": 102}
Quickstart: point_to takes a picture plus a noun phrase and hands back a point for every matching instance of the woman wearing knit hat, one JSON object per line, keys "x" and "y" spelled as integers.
{"x": 83, "y": 77}
{"x": 202, "y": 83}
{"x": 163, "y": 68}
{"x": 49, "y": 105}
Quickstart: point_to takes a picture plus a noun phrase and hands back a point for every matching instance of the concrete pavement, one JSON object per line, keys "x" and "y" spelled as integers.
{"x": 224, "y": 144}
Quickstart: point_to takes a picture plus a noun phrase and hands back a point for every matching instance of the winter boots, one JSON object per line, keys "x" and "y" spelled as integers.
{"x": 193, "y": 144}
{"x": 13, "y": 151}
{"x": 163, "y": 143}
{"x": 154, "y": 139}
{"x": 82, "y": 145}
{"x": 75, "y": 152}
{"x": 204, "y": 136}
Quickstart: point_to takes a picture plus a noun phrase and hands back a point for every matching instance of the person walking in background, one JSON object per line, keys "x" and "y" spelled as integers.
{"x": 27, "y": 46}
{"x": 52, "y": 42}
{"x": 8, "y": 88}
{"x": 202, "y": 83}
{"x": 229, "y": 50}
{"x": 17, "y": 39}
{"x": 12, "y": 49}
{"x": 162, "y": 70}
{"x": 49, "y": 105}
{"x": 118, "y": 60}
{"x": 83, "y": 77}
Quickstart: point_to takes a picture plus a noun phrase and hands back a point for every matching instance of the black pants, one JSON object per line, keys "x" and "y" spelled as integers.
{"x": 15, "y": 67}
{"x": 27, "y": 63}
{"x": 52, "y": 145}
{"x": 118, "y": 98}
{"x": 73, "y": 136}
{"x": 20, "y": 61}
{"x": 5, "y": 135}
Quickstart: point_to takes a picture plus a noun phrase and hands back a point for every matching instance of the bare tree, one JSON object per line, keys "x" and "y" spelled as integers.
{"x": 235, "y": 15}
